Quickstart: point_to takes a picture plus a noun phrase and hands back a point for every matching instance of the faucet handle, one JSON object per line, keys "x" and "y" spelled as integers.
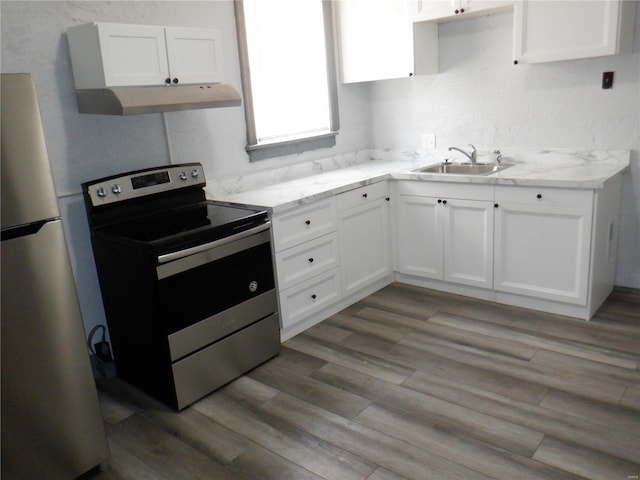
{"x": 498, "y": 154}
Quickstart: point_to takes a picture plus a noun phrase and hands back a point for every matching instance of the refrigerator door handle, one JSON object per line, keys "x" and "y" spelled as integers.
{"x": 24, "y": 230}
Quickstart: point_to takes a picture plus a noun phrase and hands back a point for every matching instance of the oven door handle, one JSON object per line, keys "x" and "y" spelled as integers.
{"x": 169, "y": 257}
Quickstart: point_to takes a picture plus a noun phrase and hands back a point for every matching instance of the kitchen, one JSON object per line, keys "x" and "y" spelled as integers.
{"x": 479, "y": 92}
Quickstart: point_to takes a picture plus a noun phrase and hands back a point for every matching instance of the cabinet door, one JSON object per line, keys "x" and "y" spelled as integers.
{"x": 375, "y": 38}
{"x": 419, "y": 237}
{"x": 448, "y": 10}
{"x": 468, "y": 242}
{"x": 133, "y": 54}
{"x": 547, "y": 31}
{"x": 543, "y": 251}
{"x": 195, "y": 55}
{"x": 365, "y": 244}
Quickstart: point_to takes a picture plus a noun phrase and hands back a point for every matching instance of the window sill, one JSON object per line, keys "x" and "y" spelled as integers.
{"x": 292, "y": 146}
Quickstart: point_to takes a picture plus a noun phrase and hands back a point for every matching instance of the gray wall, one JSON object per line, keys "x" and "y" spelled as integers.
{"x": 478, "y": 98}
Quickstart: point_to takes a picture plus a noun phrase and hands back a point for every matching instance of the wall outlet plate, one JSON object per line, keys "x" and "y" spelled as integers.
{"x": 429, "y": 141}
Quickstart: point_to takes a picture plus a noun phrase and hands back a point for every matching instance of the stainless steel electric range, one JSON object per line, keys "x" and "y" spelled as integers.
{"x": 187, "y": 283}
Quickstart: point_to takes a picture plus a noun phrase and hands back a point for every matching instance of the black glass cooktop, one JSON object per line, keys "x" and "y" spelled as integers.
{"x": 188, "y": 226}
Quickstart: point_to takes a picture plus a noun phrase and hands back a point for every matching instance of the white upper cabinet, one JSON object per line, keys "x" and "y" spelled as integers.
{"x": 374, "y": 39}
{"x": 377, "y": 39}
{"x": 449, "y": 10}
{"x": 547, "y": 31}
{"x": 116, "y": 55}
{"x": 195, "y": 55}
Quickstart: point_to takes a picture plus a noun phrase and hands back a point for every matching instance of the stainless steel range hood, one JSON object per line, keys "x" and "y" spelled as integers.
{"x": 136, "y": 100}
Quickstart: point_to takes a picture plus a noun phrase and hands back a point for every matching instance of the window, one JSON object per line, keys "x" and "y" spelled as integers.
{"x": 288, "y": 75}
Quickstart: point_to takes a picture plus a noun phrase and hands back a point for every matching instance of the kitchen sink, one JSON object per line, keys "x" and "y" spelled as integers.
{"x": 464, "y": 168}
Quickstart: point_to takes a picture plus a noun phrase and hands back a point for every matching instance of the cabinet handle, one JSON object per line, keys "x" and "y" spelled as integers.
{"x": 439, "y": 200}
{"x": 515, "y": 62}
{"x": 308, "y": 222}
{"x": 462, "y": 10}
{"x": 314, "y": 296}
{"x": 411, "y": 74}
{"x": 167, "y": 80}
{"x": 175, "y": 80}
{"x": 365, "y": 195}
{"x": 539, "y": 196}
{"x": 387, "y": 199}
{"x": 444, "y": 202}
{"x": 495, "y": 205}
{"x": 311, "y": 260}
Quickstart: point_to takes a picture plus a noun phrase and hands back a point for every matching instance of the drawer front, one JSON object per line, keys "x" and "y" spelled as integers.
{"x": 301, "y": 224}
{"x": 361, "y": 195}
{"x": 464, "y": 191}
{"x": 545, "y": 196}
{"x": 299, "y": 263}
{"x": 199, "y": 374}
{"x": 299, "y": 302}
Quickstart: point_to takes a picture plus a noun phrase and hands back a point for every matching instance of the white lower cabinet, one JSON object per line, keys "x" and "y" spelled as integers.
{"x": 365, "y": 241}
{"x": 446, "y": 237}
{"x": 551, "y": 249}
{"x": 331, "y": 253}
{"x": 542, "y": 242}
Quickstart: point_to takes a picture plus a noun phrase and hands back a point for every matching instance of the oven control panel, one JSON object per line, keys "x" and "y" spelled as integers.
{"x": 141, "y": 183}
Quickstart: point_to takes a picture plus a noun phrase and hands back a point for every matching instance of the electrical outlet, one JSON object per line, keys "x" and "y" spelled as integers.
{"x": 429, "y": 141}
{"x": 607, "y": 80}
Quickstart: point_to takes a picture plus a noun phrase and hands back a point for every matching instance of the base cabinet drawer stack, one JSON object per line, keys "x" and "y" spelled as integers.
{"x": 307, "y": 262}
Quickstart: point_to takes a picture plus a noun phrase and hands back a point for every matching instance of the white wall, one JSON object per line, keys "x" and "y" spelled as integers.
{"x": 478, "y": 98}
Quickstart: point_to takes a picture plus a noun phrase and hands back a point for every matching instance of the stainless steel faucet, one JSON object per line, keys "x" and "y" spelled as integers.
{"x": 471, "y": 157}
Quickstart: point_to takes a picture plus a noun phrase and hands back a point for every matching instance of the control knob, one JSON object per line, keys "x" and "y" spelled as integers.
{"x": 194, "y": 173}
{"x": 101, "y": 192}
{"x": 116, "y": 189}
{"x": 183, "y": 176}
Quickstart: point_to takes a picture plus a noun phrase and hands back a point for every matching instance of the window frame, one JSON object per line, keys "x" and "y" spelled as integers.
{"x": 295, "y": 145}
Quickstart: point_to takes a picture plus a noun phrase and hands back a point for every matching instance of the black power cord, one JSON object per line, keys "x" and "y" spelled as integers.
{"x": 101, "y": 349}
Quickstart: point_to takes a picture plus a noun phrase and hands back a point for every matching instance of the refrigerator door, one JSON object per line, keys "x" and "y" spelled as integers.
{"x": 51, "y": 422}
{"x": 27, "y": 186}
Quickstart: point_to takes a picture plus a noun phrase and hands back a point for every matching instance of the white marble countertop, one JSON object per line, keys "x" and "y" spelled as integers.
{"x": 566, "y": 169}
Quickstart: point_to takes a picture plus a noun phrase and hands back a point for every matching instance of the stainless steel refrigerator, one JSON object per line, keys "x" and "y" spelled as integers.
{"x": 52, "y": 427}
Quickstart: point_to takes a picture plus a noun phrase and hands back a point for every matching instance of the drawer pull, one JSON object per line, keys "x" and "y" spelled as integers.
{"x": 314, "y": 296}
{"x": 308, "y": 222}
{"x": 311, "y": 260}
{"x": 495, "y": 205}
{"x": 538, "y": 196}
{"x": 365, "y": 195}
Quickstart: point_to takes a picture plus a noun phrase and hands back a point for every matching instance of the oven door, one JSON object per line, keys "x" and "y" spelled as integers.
{"x": 223, "y": 287}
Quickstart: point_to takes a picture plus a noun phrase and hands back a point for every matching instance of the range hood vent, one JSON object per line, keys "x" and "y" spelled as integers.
{"x": 136, "y": 100}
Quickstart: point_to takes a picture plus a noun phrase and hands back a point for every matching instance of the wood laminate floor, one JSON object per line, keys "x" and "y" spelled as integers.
{"x": 408, "y": 384}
